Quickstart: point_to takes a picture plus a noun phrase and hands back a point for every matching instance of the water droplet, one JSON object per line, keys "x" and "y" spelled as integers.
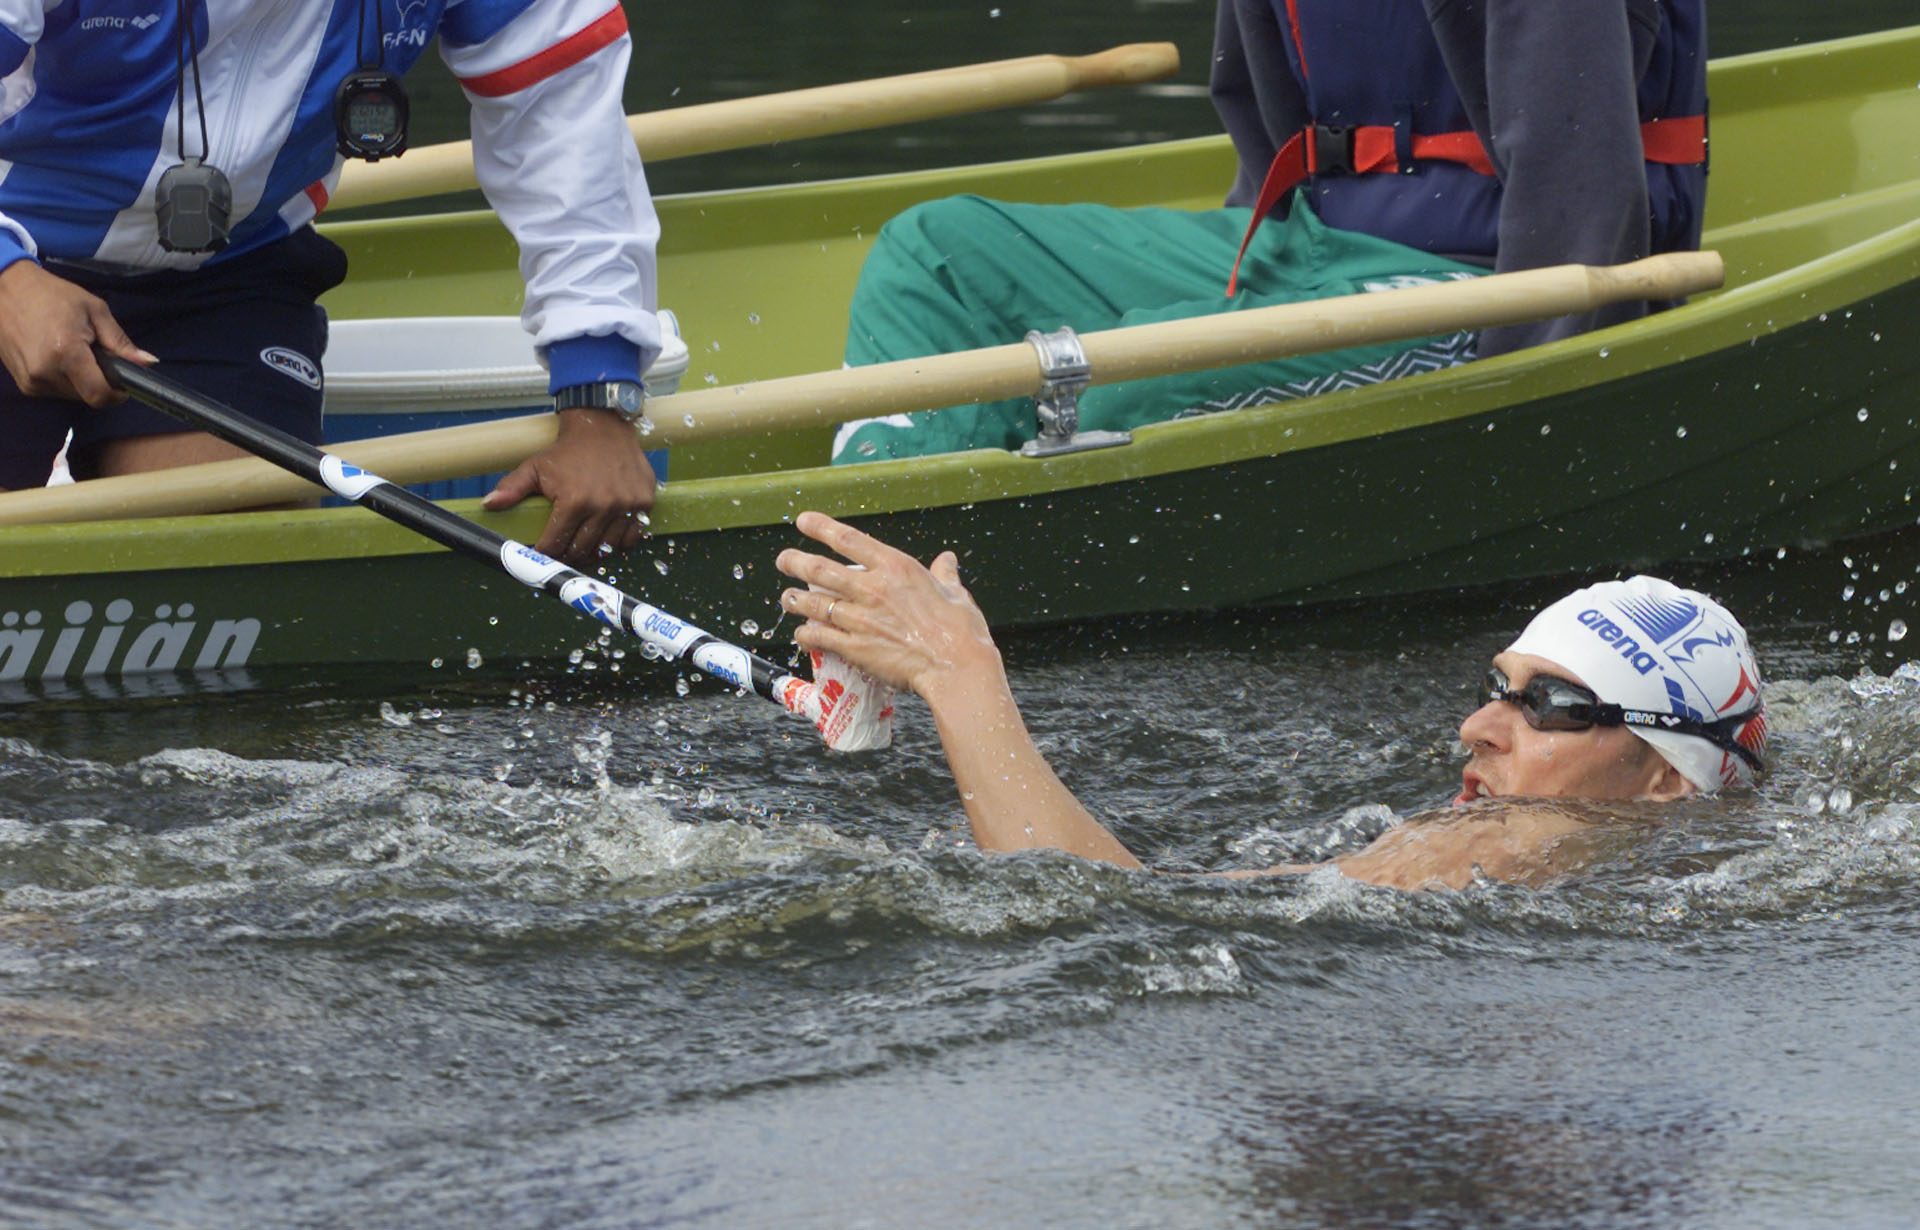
{"x": 1679, "y": 433}
{"x": 739, "y": 573}
{"x": 1846, "y": 594}
{"x": 437, "y": 663}
{"x": 392, "y": 716}
{"x": 1133, "y": 539}
{"x": 714, "y": 345}
{"x": 1861, "y": 414}
{"x": 493, "y": 621}
{"x": 749, "y": 627}
{"x": 753, "y": 318}
{"x": 682, "y": 686}
{"x": 660, "y": 566}
{"x": 1546, "y": 429}
{"x": 1604, "y": 352}
{"x": 576, "y": 655}
{"x": 710, "y": 378}
{"x": 1897, "y": 630}
{"x": 1707, "y": 537}
{"x": 474, "y": 660}
{"x": 687, "y": 419}
{"x": 1840, "y": 801}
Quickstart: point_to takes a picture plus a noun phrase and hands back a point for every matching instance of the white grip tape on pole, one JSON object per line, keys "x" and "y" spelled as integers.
{"x": 728, "y": 663}
{"x": 528, "y": 566}
{"x": 346, "y": 480}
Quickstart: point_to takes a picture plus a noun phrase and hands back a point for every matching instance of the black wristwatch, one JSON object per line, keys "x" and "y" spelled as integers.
{"x": 626, "y": 398}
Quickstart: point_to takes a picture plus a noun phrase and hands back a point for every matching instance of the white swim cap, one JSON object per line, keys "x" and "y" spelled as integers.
{"x": 1648, "y": 644}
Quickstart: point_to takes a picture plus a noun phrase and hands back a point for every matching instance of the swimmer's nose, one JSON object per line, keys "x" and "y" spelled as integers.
{"x": 1490, "y": 727}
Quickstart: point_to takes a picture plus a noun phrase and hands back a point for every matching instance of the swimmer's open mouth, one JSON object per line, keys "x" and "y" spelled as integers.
{"x": 1472, "y": 789}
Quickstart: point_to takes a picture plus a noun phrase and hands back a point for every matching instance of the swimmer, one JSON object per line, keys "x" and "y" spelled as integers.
{"x": 1623, "y": 691}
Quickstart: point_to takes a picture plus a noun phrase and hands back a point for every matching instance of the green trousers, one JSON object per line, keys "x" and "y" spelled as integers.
{"x": 966, "y": 272}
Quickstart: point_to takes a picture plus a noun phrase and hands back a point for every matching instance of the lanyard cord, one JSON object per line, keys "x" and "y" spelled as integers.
{"x": 379, "y": 35}
{"x": 187, "y": 50}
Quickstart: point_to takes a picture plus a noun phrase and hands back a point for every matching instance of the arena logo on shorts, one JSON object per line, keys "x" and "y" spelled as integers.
{"x": 292, "y": 363}
{"x": 1616, "y": 636}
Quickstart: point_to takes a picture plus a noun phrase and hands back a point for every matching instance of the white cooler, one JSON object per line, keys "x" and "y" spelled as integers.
{"x": 416, "y": 373}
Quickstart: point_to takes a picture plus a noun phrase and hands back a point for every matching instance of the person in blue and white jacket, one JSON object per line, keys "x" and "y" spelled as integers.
{"x": 92, "y": 107}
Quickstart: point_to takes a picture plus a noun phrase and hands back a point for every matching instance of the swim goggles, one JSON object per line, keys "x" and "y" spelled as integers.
{"x": 1551, "y": 703}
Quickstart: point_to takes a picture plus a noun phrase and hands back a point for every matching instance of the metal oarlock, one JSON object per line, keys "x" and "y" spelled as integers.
{"x": 1065, "y": 374}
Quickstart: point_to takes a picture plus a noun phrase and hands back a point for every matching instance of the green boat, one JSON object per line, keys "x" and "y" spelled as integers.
{"x": 1781, "y": 411}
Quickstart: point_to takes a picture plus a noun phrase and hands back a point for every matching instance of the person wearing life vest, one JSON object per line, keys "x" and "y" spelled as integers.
{"x": 1380, "y": 144}
{"x": 1506, "y": 132}
{"x": 160, "y": 173}
{"x": 1634, "y": 690}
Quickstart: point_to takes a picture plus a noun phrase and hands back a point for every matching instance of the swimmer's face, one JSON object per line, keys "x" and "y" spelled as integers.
{"x": 1509, "y": 757}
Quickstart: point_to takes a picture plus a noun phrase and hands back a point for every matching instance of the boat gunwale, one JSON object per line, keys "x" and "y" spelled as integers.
{"x": 1729, "y": 319}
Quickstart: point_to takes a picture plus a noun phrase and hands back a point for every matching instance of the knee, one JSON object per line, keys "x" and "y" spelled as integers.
{"x": 933, "y": 230}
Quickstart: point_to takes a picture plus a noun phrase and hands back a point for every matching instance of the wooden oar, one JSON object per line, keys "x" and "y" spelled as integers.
{"x": 795, "y": 114}
{"x": 826, "y": 398}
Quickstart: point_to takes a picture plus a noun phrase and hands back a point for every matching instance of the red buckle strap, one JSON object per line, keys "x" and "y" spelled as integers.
{"x": 1680, "y": 142}
{"x": 1369, "y": 150}
{"x": 1288, "y": 168}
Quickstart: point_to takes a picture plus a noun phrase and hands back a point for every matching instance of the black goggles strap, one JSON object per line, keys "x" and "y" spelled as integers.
{"x": 1722, "y": 732}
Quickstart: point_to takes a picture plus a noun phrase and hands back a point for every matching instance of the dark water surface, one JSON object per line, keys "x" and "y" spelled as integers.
{"x": 465, "y": 949}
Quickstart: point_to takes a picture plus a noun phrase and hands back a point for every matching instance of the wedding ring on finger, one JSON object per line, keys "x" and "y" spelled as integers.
{"x": 828, "y": 617}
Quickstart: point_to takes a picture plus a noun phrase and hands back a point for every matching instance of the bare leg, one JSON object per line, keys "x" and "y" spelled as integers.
{"x": 144, "y": 454}
{"x": 140, "y": 454}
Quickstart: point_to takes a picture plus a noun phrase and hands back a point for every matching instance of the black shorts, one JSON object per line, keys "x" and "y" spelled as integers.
{"x": 247, "y": 332}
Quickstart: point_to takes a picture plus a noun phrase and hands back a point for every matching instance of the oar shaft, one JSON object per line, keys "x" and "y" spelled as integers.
{"x": 672, "y": 638}
{"x": 821, "y": 399}
{"x": 768, "y": 119}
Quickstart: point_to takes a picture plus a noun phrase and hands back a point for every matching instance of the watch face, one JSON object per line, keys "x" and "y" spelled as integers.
{"x": 626, "y": 398}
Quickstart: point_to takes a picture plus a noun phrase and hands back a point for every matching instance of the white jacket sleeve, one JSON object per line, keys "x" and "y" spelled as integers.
{"x": 555, "y": 158}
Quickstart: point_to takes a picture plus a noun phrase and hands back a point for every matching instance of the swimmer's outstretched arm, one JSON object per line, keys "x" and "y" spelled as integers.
{"x": 918, "y": 628}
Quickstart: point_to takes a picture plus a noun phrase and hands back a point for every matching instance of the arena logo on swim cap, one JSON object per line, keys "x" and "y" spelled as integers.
{"x": 1616, "y": 636}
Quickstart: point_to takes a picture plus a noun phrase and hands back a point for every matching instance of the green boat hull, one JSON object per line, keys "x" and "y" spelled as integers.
{"x": 1779, "y": 412}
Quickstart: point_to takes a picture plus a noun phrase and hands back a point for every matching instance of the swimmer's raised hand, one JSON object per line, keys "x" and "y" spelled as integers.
{"x": 905, "y": 624}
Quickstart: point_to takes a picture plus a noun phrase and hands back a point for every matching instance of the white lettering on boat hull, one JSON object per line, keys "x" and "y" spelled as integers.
{"x": 166, "y": 639}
